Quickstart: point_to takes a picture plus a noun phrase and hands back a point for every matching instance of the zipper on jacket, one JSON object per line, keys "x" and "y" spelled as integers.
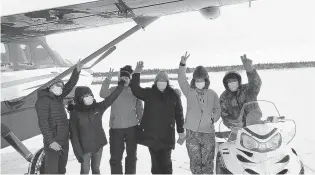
{"x": 199, "y": 100}
{"x": 200, "y": 120}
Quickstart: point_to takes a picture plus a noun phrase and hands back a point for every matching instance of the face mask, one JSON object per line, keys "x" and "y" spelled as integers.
{"x": 126, "y": 79}
{"x": 233, "y": 86}
{"x": 161, "y": 85}
{"x": 200, "y": 85}
{"x": 56, "y": 90}
{"x": 88, "y": 100}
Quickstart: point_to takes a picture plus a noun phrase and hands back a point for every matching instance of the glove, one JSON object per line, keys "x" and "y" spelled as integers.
{"x": 55, "y": 146}
{"x": 181, "y": 138}
{"x": 70, "y": 107}
{"x": 182, "y": 135}
{"x": 80, "y": 159}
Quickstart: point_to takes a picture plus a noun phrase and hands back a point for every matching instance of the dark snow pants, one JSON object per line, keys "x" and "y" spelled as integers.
{"x": 56, "y": 161}
{"x": 161, "y": 161}
{"x": 117, "y": 140}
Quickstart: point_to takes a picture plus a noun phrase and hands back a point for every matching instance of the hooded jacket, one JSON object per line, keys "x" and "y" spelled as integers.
{"x": 52, "y": 116}
{"x": 203, "y": 107}
{"x": 161, "y": 111}
{"x": 126, "y": 111}
{"x": 86, "y": 130}
{"x": 232, "y": 102}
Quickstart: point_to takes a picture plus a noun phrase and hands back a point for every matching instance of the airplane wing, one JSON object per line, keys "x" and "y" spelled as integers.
{"x": 82, "y": 16}
{"x": 95, "y": 14}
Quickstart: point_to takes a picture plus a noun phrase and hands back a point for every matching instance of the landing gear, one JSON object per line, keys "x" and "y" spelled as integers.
{"x": 36, "y": 166}
{"x": 302, "y": 168}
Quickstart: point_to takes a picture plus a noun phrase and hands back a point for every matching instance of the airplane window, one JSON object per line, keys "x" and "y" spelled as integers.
{"x": 5, "y": 59}
{"x": 4, "y": 55}
{"x": 42, "y": 58}
{"x": 24, "y": 54}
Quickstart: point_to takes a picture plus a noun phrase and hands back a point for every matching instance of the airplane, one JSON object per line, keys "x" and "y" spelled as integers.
{"x": 28, "y": 64}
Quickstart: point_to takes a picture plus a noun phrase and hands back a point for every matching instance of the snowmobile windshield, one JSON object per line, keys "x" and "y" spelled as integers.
{"x": 256, "y": 112}
{"x": 261, "y": 116}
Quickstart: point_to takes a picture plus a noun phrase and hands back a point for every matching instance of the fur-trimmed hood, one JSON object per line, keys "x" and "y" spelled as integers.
{"x": 229, "y": 75}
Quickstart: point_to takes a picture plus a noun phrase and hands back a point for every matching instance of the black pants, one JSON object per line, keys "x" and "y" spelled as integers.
{"x": 117, "y": 140}
{"x": 161, "y": 161}
{"x": 56, "y": 161}
{"x": 92, "y": 160}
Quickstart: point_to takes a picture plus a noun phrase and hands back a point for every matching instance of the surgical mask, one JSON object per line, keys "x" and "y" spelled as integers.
{"x": 233, "y": 86}
{"x": 88, "y": 100}
{"x": 56, "y": 90}
{"x": 200, "y": 85}
{"x": 126, "y": 79}
{"x": 161, "y": 85}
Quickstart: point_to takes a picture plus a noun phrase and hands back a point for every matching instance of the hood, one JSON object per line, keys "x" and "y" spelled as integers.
{"x": 200, "y": 73}
{"x": 231, "y": 74}
{"x": 126, "y": 71}
{"x": 80, "y": 91}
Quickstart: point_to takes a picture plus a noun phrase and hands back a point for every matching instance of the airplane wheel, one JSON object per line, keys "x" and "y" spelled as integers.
{"x": 37, "y": 164}
{"x": 219, "y": 168}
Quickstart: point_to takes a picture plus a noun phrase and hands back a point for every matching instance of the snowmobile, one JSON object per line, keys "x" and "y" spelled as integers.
{"x": 261, "y": 147}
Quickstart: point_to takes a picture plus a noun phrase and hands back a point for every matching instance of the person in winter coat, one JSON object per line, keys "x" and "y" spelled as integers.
{"x": 162, "y": 108}
{"x": 86, "y": 131}
{"x": 203, "y": 110}
{"x": 53, "y": 122}
{"x": 237, "y": 94}
{"x": 126, "y": 113}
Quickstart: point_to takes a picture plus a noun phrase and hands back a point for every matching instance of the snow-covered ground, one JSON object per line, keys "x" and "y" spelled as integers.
{"x": 292, "y": 90}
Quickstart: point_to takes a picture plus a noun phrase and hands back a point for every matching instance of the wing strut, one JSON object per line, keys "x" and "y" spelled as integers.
{"x": 142, "y": 23}
{"x": 111, "y": 50}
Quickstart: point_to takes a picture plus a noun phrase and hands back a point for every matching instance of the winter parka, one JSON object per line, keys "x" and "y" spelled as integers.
{"x": 52, "y": 116}
{"x": 203, "y": 108}
{"x": 161, "y": 111}
{"x": 232, "y": 102}
{"x": 86, "y": 130}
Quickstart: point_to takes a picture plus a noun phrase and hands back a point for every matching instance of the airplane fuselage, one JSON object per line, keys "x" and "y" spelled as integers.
{"x": 18, "y": 84}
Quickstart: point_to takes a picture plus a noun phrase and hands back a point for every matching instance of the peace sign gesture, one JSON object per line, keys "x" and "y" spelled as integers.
{"x": 184, "y": 58}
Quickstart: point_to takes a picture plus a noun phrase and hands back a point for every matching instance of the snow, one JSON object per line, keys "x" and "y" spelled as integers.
{"x": 292, "y": 90}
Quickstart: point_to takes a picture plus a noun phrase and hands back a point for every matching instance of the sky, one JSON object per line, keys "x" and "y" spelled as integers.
{"x": 269, "y": 31}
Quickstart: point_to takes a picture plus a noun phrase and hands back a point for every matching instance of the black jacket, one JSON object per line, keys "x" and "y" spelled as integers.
{"x": 52, "y": 116}
{"x": 86, "y": 129}
{"x": 161, "y": 111}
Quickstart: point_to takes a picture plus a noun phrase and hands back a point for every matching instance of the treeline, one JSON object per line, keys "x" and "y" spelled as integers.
{"x": 302, "y": 64}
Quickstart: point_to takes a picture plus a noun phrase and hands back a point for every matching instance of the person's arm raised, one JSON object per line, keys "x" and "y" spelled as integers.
{"x": 108, "y": 101}
{"x": 105, "y": 90}
{"x": 182, "y": 79}
{"x": 72, "y": 81}
{"x": 254, "y": 80}
{"x": 137, "y": 90}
